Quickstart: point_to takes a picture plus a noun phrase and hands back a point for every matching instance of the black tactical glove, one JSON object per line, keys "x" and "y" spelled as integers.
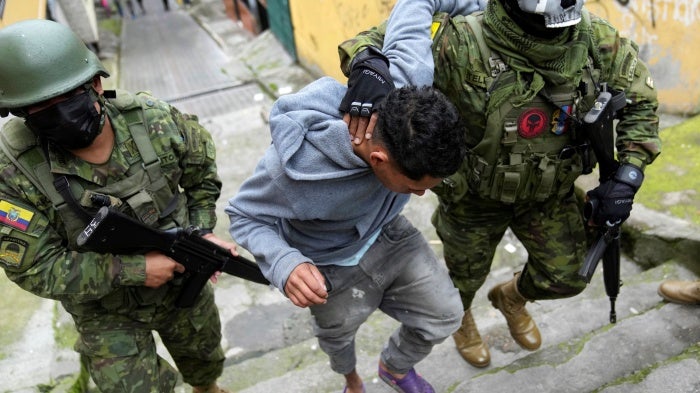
{"x": 368, "y": 84}
{"x": 611, "y": 202}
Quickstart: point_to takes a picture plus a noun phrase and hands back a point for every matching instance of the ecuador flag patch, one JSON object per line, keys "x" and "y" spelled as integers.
{"x": 15, "y": 216}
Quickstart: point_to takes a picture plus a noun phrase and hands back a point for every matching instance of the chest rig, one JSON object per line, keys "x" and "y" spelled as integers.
{"x": 142, "y": 190}
{"x": 527, "y": 152}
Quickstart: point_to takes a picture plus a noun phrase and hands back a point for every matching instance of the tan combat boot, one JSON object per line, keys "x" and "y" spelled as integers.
{"x": 682, "y": 292}
{"x": 469, "y": 343}
{"x": 511, "y": 303}
{"x": 211, "y": 388}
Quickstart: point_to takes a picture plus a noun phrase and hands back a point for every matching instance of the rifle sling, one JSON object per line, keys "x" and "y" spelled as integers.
{"x": 63, "y": 187}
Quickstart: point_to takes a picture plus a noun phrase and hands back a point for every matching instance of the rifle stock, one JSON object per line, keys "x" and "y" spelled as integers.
{"x": 116, "y": 233}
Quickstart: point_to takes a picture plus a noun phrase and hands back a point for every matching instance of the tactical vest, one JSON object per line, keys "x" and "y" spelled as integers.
{"x": 143, "y": 193}
{"x": 526, "y": 153}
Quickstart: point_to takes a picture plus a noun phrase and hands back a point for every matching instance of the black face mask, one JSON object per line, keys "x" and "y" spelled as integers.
{"x": 71, "y": 124}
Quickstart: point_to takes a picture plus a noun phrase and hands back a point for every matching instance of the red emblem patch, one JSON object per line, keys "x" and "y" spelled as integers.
{"x": 532, "y": 123}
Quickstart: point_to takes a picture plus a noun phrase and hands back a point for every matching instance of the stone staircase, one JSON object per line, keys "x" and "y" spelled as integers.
{"x": 270, "y": 348}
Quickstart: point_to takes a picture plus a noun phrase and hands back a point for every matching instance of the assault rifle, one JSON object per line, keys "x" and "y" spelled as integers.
{"x": 598, "y": 127}
{"x": 114, "y": 232}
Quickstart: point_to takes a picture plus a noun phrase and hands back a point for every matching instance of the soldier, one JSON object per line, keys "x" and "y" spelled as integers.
{"x": 322, "y": 217}
{"x": 523, "y": 74}
{"x": 74, "y": 147}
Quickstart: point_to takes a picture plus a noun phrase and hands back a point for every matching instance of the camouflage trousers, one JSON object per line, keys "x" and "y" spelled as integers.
{"x": 552, "y": 232}
{"x": 120, "y": 350}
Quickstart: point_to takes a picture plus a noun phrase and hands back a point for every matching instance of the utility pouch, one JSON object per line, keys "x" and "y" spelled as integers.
{"x": 454, "y": 187}
{"x": 547, "y": 173}
{"x": 537, "y": 178}
{"x": 143, "y": 205}
{"x": 477, "y": 174}
{"x": 508, "y": 181}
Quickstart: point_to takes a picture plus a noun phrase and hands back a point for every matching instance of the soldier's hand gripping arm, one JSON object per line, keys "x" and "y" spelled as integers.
{"x": 367, "y": 42}
{"x": 407, "y": 47}
{"x": 369, "y": 82}
{"x": 233, "y": 247}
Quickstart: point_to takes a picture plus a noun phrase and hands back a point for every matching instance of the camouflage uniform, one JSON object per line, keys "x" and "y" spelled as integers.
{"x": 524, "y": 156}
{"x": 113, "y": 311}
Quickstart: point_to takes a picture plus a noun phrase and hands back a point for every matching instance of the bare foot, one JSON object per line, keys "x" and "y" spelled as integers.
{"x": 353, "y": 383}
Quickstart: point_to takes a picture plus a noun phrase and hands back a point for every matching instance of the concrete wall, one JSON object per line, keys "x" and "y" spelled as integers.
{"x": 666, "y": 31}
{"x": 669, "y": 40}
{"x": 17, "y": 10}
{"x": 320, "y": 25}
{"x": 78, "y": 14}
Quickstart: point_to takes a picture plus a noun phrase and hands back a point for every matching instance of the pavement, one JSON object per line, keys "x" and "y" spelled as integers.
{"x": 208, "y": 65}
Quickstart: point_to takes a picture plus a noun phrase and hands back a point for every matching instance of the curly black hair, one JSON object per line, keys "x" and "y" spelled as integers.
{"x": 422, "y": 131}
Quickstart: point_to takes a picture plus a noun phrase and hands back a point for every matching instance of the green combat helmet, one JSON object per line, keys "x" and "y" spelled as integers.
{"x": 41, "y": 59}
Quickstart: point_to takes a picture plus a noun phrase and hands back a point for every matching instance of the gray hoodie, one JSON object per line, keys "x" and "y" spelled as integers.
{"x": 310, "y": 199}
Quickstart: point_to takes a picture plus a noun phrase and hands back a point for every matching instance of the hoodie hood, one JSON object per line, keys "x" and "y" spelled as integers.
{"x": 312, "y": 116}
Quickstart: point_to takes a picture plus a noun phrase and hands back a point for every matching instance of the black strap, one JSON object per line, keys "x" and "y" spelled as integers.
{"x": 63, "y": 188}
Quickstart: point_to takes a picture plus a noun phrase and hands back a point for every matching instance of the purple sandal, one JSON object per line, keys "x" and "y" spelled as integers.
{"x": 411, "y": 383}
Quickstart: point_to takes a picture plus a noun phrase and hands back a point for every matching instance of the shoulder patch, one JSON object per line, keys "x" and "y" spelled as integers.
{"x": 12, "y": 251}
{"x": 15, "y": 216}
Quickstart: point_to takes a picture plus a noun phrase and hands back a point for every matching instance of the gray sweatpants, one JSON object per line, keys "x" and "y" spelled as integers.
{"x": 401, "y": 276}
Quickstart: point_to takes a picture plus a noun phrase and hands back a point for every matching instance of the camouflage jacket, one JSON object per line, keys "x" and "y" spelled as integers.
{"x": 37, "y": 244}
